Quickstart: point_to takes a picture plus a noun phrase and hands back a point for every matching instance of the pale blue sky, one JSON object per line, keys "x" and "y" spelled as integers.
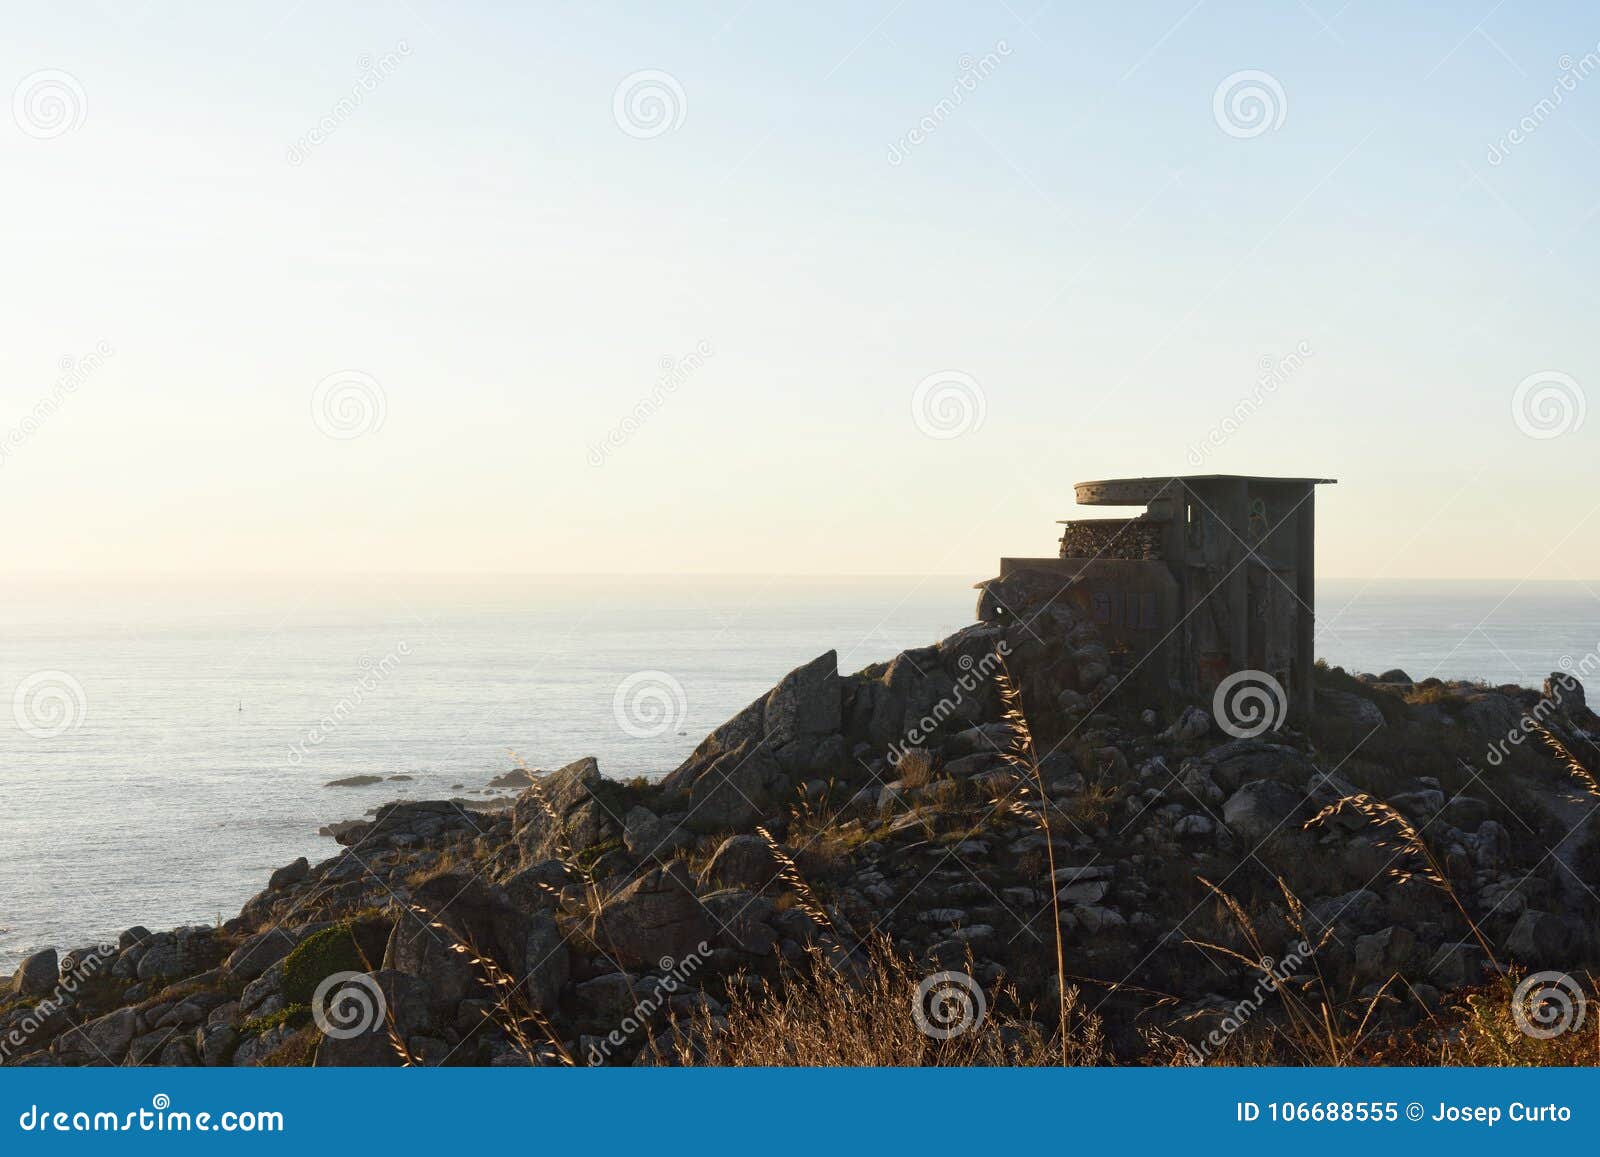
{"x": 1081, "y": 237}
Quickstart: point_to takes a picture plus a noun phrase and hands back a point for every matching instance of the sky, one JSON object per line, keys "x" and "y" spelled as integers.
{"x": 747, "y": 288}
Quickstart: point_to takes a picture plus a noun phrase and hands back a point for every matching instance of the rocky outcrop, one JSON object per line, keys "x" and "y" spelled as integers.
{"x": 572, "y": 924}
{"x": 562, "y": 814}
{"x": 657, "y": 917}
{"x": 36, "y": 975}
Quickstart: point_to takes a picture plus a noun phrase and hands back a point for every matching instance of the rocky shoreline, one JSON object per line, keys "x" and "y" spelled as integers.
{"x": 595, "y": 921}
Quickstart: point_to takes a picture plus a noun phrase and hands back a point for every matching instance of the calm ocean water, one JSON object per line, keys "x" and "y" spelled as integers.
{"x": 170, "y": 740}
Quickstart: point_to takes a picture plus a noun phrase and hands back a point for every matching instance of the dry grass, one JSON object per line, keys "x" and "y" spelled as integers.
{"x": 511, "y": 1011}
{"x": 828, "y": 1016}
{"x": 789, "y": 873}
{"x": 916, "y": 768}
{"x": 1575, "y": 767}
{"x": 1315, "y": 1025}
{"x": 1023, "y": 755}
{"x": 1415, "y": 858}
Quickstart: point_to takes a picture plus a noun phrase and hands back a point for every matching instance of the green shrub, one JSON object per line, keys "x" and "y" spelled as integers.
{"x": 294, "y": 1015}
{"x": 318, "y": 957}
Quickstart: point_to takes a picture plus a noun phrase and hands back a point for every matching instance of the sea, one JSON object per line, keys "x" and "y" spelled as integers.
{"x": 166, "y": 742}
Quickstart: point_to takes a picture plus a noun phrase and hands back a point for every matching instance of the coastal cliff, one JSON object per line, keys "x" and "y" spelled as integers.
{"x": 999, "y": 808}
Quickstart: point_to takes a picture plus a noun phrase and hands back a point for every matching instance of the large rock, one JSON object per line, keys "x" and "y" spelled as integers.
{"x": 1350, "y": 707}
{"x": 1492, "y": 713}
{"x": 1245, "y": 760}
{"x": 805, "y": 702}
{"x": 561, "y": 814}
{"x": 744, "y": 861}
{"x": 656, "y": 917}
{"x": 181, "y": 952}
{"x": 649, "y": 836}
{"x": 37, "y": 974}
{"x": 1538, "y": 939}
{"x": 744, "y": 770}
{"x": 1259, "y": 809}
{"x": 104, "y": 1041}
{"x": 289, "y": 874}
{"x": 408, "y": 823}
{"x": 406, "y": 1013}
{"x": 460, "y": 910}
{"x": 261, "y": 951}
{"x": 1380, "y": 955}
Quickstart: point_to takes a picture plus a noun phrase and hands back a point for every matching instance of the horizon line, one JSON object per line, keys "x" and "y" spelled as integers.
{"x": 679, "y": 574}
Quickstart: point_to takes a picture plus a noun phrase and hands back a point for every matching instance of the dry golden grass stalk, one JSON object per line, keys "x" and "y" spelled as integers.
{"x": 915, "y": 768}
{"x": 789, "y": 872}
{"x": 1407, "y": 841}
{"x": 512, "y": 1011}
{"x": 1024, "y": 756}
{"x": 1575, "y": 766}
{"x": 827, "y": 1016}
{"x": 1318, "y": 1027}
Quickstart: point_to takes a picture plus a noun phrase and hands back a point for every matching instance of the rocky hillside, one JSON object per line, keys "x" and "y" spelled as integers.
{"x": 1404, "y": 846}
